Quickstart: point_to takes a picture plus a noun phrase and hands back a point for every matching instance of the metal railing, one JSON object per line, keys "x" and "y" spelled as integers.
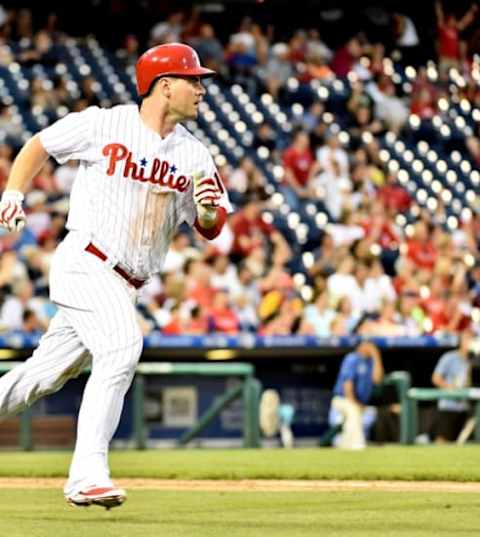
{"x": 249, "y": 389}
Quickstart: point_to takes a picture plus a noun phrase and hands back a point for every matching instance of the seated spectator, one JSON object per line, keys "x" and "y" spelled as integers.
{"x": 379, "y": 229}
{"x": 345, "y": 321}
{"x": 313, "y": 115}
{"x": 420, "y": 248}
{"x": 342, "y": 281}
{"x": 316, "y": 47}
{"x": 178, "y": 253}
{"x": 209, "y": 48}
{"x": 252, "y": 231}
{"x": 197, "y": 282}
{"x": 224, "y": 274}
{"x": 91, "y": 91}
{"x": 13, "y": 308}
{"x": 422, "y": 104}
{"x": 286, "y": 321}
{"x": 359, "y": 372}
{"x": 315, "y": 68}
{"x": 386, "y": 323}
{"x": 333, "y": 152}
{"x": 277, "y": 70}
{"x": 128, "y": 54}
{"x": 242, "y": 60}
{"x": 299, "y": 168}
{"x": 277, "y": 287}
{"x": 394, "y": 197}
{"x": 435, "y": 305}
{"x": 346, "y": 57}
{"x": 363, "y": 123}
{"x": 358, "y": 98}
{"x": 411, "y": 313}
{"x": 332, "y": 188}
{"x": 319, "y": 316}
{"x": 221, "y": 317}
{"x": 41, "y": 51}
{"x": 453, "y": 371}
{"x": 422, "y": 82}
{"x": 265, "y": 137}
{"x": 389, "y": 108}
{"x": 169, "y": 30}
{"x": 247, "y": 180}
{"x": 10, "y": 124}
{"x": 348, "y": 229}
{"x": 41, "y": 97}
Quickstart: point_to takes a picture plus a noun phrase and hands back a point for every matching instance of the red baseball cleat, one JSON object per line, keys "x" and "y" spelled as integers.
{"x": 107, "y": 497}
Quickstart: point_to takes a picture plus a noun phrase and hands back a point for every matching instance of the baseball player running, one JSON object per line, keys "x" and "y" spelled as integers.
{"x": 141, "y": 175}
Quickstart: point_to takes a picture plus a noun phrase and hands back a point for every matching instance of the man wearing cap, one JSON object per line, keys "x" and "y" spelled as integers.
{"x": 141, "y": 175}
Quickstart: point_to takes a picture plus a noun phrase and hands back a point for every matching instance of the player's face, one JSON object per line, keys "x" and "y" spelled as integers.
{"x": 187, "y": 93}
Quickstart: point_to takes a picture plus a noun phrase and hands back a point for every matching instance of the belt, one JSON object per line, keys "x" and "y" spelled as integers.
{"x": 137, "y": 283}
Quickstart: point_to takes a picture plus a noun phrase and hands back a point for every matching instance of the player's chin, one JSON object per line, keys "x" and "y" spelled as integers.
{"x": 192, "y": 114}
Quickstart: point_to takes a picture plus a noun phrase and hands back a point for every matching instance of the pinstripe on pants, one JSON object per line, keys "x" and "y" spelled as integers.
{"x": 95, "y": 323}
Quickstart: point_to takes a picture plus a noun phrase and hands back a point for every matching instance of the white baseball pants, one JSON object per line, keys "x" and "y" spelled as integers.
{"x": 95, "y": 325}
{"x": 353, "y": 436}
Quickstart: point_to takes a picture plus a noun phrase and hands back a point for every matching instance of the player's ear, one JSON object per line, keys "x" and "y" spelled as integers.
{"x": 162, "y": 86}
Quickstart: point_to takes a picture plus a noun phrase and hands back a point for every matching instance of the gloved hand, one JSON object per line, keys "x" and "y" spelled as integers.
{"x": 11, "y": 211}
{"x": 206, "y": 196}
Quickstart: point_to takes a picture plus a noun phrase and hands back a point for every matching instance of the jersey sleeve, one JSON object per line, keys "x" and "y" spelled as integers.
{"x": 210, "y": 170}
{"x": 70, "y": 138}
{"x": 347, "y": 369}
{"x": 443, "y": 366}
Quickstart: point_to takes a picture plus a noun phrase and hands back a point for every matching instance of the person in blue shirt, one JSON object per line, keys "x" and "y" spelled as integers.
{"x": 359, "y": 372}
{"x": 453, "y": 371}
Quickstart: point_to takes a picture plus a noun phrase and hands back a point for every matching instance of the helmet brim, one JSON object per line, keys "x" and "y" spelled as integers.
{"x": 202, "y": 72}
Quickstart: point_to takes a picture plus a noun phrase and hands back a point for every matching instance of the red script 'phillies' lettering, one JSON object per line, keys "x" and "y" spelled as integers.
{"x": 158, "y": 171}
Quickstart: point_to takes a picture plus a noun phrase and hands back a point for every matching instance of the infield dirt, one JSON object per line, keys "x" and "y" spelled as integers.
{"x": 260, "y": 485}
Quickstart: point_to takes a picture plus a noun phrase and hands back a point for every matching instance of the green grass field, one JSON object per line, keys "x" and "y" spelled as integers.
{"x": 43, "y": 513}
{"x": 210, "y": 514}
{"x": 453, "y": 463}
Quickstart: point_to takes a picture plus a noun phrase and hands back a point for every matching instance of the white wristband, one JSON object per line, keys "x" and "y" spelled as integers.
{"x": 207, "y": 214}
{"x": 12, "y": 195}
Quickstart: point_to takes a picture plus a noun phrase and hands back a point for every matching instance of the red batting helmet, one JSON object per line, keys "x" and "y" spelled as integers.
{"x": 170, "y": 59}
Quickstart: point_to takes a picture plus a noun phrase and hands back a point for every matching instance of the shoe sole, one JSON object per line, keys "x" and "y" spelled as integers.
{"x": 108, "y": 502}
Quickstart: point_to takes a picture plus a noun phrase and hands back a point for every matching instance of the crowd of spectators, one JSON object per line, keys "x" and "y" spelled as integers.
{"x": 366, "y": 274}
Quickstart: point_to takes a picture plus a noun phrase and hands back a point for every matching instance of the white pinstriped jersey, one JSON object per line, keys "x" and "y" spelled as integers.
{"x": 133, "y": 188}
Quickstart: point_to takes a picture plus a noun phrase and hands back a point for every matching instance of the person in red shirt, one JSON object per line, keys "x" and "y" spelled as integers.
{"x": 251, "y": 230}
{"x": 393, "y": 196}
{"x": 346, "y": 57}
{"x": 420, "y": 248}
{"x": 379, "y": 229}
{"x": 435, "y": 306}
{"x": 221, "y": 317}
{"x": 422, "y": 105}
{"x": 449, "y": 44}
{"x": 299, "y": 167}
{"x": 198, "y": 287}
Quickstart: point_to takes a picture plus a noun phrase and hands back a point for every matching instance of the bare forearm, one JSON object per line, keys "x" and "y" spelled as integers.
{"x": 439, "y": 382}
{"x": 378, "y": 371}
{"x": 26, "y": 165}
